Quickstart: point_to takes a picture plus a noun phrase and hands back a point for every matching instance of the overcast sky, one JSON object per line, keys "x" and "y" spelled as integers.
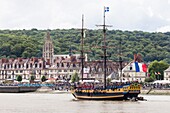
{"x": 145, "y": 15}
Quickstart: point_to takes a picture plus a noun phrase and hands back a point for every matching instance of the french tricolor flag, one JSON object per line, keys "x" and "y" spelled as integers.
{"x": 140, "y": 67}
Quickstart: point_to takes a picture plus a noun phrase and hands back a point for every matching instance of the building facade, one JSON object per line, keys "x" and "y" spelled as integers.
{"x": 167, "y": 74}
{"x": 129, "y": 71}
{"x": 130, "y": 74}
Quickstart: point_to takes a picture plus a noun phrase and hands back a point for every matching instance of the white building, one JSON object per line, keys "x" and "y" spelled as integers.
{"x": 130, "y": 74}
{"x": 167, "y": 74}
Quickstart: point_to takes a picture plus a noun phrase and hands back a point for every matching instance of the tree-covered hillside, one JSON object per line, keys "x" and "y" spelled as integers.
{"x": 29, "y": 43}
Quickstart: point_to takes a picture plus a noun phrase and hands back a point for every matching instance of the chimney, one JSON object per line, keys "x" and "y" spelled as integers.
{"x": 135, "y": 57}
{"x": 19, "y": 59}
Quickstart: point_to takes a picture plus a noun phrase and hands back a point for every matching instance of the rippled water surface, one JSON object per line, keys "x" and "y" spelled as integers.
{"x": 65, "y": 103}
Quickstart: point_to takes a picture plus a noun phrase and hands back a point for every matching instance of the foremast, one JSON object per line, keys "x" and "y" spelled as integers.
{"x": 82, "y": 50}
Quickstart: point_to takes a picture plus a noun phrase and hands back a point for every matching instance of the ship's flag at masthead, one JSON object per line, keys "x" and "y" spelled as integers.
{"x": 106, "y": 9}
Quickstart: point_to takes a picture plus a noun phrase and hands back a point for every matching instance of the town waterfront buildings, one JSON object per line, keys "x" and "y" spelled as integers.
{"x": 53, "y": 66}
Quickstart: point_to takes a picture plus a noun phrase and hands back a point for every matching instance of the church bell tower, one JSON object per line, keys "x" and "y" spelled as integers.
{"x": 48, "y": 49}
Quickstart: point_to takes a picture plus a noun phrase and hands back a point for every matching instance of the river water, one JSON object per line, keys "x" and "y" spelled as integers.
{"x": 65, "y": 103}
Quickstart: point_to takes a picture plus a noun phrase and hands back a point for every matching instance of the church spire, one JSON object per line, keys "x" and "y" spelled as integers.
{"x": 48, "y": 36}
{"x": 48, "y": 49}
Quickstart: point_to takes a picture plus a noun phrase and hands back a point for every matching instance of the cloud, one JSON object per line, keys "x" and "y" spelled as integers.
{"x": 164, "y": 29}
{"x": 51, "y": 14}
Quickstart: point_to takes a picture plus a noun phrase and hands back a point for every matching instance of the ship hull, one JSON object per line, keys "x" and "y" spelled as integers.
{"x": 105, "y": 96}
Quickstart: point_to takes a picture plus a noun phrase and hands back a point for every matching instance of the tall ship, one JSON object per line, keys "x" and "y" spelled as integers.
{"x": 117, "y": 91}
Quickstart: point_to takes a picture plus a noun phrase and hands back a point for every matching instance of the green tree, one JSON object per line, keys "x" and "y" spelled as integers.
{"x": 149, "y": 79}
{"x": 75, "y": 77}
{"x": 29, "y": 43}
{"x": 108, "y": 80}
{"x": 32, "y": 78}
{"x": 19, "y": 78}
{"x": 156, "y": 69}
{"x": 43, "y": 78}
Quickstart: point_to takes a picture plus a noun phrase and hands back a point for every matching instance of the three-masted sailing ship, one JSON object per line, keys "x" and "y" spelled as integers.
{"x": 120, "y": 91}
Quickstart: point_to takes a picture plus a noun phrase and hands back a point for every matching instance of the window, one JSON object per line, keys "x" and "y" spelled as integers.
{"x": 4, "y": 66}
{"x": 30, "y": 65}
{"x": 74, "y": 65}
{"x": 58, "y": 64}
{"x": 40, "y": 65}
{"x": 65, "y": 70}
{"x": 27, "y": 66}
{"x": 67, "y": 64}
{"x": 62, "y": 65}
{"x": 36, "y": 65}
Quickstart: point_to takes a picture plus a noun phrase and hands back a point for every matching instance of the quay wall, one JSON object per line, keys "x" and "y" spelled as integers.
{"x": 156, "y": 91}
{"x": 16, "y": 89}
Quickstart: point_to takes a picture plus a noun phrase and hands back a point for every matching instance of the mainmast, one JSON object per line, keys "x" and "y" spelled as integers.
{"x": 104, "y": 47}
